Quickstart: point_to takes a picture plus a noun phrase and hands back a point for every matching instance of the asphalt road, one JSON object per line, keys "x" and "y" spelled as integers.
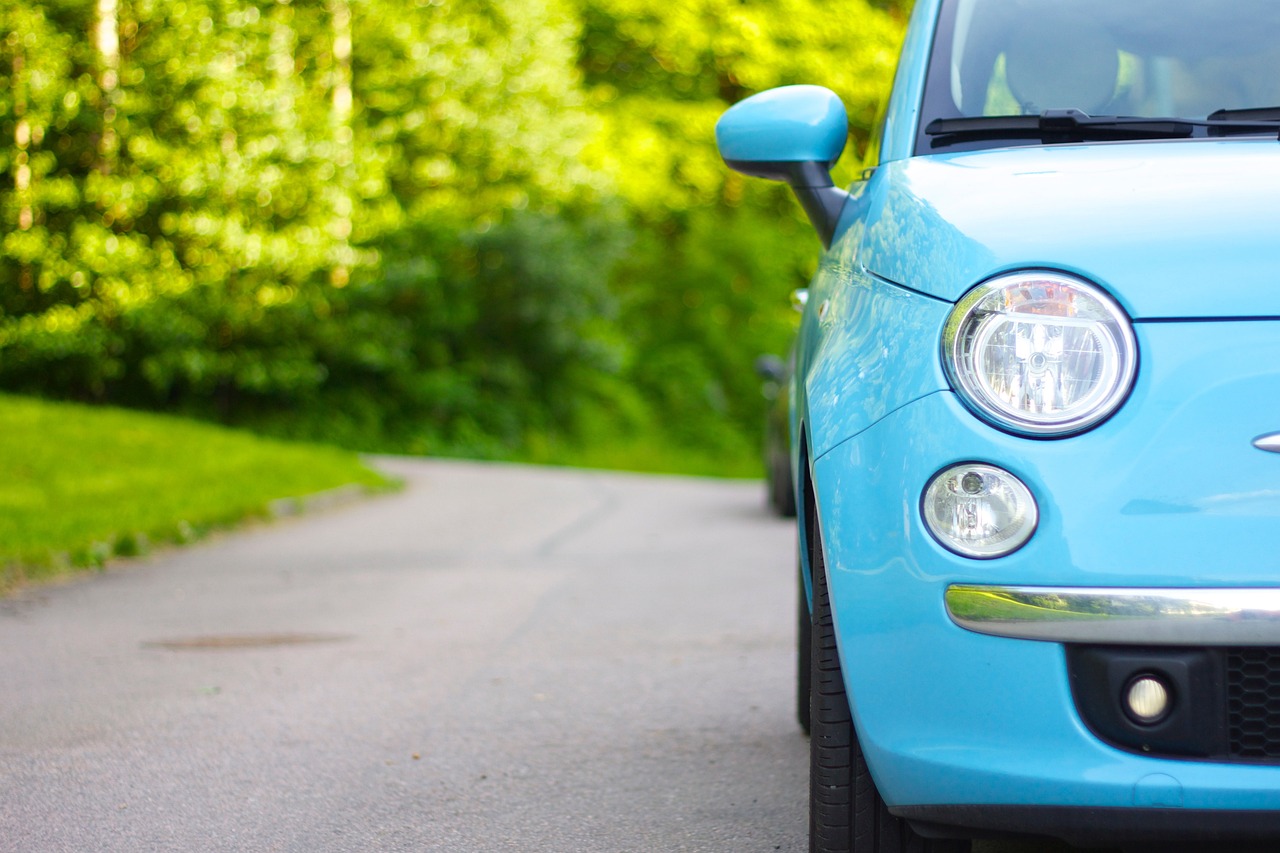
{"x": 497, "y": 659}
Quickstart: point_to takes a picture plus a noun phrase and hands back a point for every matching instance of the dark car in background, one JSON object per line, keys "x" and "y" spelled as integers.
{"x": 775, "y": 376}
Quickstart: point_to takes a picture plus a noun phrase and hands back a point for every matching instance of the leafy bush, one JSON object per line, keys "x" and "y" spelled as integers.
{"x": 489, "y": 228}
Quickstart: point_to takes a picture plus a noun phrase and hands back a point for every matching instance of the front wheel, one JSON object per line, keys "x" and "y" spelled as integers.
{"x": 846, "y": 813}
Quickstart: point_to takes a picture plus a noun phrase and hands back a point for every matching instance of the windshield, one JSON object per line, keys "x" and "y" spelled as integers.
{"x": 1144, "y": 58}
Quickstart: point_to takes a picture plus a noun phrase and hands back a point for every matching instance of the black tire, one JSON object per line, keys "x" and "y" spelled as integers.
{"x": 784, "y": 492}
{"x": 846, "y": 813}
{"x": 804, "y": 642}
{"x": 779, "y": 485}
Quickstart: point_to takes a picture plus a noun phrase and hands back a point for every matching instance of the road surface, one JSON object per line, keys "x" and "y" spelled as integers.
{"x": 499, "y": 658}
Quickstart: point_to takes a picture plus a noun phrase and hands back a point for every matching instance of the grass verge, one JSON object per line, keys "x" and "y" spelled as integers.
{"x": 79, "y": 485}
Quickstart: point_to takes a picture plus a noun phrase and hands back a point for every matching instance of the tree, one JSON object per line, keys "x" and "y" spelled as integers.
{"x": 432, "y": 225}
{"x": 709, "y": 292}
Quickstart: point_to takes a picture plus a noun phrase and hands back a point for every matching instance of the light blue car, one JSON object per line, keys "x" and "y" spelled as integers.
{"x": 1035, "y": 427}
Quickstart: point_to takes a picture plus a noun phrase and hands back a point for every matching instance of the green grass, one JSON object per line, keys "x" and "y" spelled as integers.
{"x": 79, "y": 484}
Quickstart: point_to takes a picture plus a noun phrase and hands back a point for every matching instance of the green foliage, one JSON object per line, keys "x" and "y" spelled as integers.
{"x": 79, "y": 485}
{"x": 472, "y": 109}
{"x": 664, "y": 72}
{"x": 471, "y": 337}
{"x": 483, "y": 228}
{"x": 717, "y": 255}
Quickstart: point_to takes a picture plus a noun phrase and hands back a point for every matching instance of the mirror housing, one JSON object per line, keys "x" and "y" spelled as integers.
{"x": 793, "y": 134}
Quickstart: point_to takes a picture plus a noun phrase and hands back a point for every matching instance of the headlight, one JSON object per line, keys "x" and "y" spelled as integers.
{"x": 979, "y": 511}
{"x": 1040, "y": 353}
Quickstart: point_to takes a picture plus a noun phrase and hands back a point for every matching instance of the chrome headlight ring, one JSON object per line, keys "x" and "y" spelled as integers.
{"x": 1040, "y": 353}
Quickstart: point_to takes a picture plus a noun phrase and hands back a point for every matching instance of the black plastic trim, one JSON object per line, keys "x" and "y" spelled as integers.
{"x": 797, "y": 173}
{"x": 1194, "y": 727}
{"x": 811, "y": 181}
{"x": 1091, "y": 826}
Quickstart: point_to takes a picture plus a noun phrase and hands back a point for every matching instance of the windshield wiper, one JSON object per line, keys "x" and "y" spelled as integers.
{"x": 1055, "y": 126}
{"x": 1252, "y": 114}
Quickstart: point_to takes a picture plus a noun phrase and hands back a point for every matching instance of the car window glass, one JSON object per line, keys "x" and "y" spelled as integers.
{"x": 1137, "y": 58}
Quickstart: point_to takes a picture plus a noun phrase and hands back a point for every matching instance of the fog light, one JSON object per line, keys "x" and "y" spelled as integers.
{"x": 1146, "y": 699}
{"x": 979, "y": 510}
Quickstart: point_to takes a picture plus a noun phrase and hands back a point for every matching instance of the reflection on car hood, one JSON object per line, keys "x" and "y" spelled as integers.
{"x": 1173, "y": 229}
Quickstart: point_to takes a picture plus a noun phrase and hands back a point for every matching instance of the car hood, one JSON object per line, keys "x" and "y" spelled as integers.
{"x": 1184, "y": 229}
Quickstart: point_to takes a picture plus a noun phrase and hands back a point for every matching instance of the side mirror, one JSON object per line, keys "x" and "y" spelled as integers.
{"x": 793, "y": 134}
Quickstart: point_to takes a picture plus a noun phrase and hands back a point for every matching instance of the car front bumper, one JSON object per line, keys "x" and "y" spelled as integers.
{"x": 1168, "y": 496}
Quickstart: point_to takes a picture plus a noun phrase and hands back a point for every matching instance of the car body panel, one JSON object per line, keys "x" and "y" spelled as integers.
{"x": 1115, "y": 502}
{"x": 865, "y": 360}
{"x": 949, "y": 716}
{"x": 1120, "y": 214}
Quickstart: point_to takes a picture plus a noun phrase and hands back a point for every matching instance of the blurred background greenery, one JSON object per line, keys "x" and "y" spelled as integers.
{"x": 488, "y": 228}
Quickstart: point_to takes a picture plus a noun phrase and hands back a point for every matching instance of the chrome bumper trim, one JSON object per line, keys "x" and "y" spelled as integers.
{"x": 1156, "y": 617}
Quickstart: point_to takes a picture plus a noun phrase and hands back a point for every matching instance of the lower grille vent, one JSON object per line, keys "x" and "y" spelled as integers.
{"x": 1253, "y": 702}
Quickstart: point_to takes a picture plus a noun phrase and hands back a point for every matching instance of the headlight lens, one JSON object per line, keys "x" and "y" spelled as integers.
{"x": 979, "y": 510}
{"x": 1040, "y": 353}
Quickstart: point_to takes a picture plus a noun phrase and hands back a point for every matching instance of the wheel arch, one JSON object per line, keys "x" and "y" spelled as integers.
{"x": 807, "y": 515}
